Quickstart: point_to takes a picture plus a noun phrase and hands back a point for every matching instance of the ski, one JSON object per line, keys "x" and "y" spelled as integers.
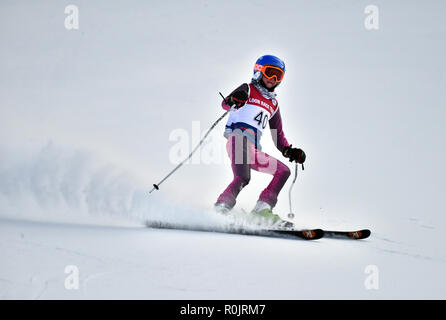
{"x": 309, "y": 234}
{"x": 306, "y": 234}
{"x": 356, "y": 235}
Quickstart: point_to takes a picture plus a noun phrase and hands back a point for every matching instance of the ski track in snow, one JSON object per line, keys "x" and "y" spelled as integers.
{"x": 45, "y": 234}
{"x": 158, "y": 274}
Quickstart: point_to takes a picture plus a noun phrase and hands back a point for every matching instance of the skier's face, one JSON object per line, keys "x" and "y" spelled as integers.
{"x": 269, "y": 83}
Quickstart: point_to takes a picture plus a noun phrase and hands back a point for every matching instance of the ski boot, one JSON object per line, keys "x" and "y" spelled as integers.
{"x": 263, "y": 215}
{"x": 222, "y": 208}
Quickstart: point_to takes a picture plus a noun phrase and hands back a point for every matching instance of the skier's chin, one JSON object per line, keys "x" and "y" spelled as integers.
{"x": 269, "y": 84}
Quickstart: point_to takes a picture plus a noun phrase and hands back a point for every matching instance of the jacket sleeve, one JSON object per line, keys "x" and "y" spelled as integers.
{"x": 275, "y": 125}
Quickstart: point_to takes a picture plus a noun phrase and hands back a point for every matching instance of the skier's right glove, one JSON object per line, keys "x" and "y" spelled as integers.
{"x": 294, "y": 154}
{"x": 238, "y": 97}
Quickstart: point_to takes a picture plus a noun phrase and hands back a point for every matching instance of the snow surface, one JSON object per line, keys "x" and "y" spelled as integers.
{"x": 86, "y": 118}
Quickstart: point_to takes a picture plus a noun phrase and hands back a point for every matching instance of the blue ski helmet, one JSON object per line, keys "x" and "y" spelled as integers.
{"x": 267, "y": 60}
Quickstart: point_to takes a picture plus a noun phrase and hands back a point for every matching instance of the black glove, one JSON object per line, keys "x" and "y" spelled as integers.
{"x": 294, "y": 154}
{"x": 238, "y": 97}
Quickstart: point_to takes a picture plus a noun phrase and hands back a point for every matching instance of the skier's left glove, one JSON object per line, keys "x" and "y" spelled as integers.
{"x": 294, "y": 154}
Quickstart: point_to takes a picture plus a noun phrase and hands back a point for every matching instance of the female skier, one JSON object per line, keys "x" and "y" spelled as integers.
{"x": 254, "y": 106}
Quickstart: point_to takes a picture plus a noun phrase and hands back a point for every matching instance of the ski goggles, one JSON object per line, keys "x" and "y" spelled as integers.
{"x": 270, "y": 72}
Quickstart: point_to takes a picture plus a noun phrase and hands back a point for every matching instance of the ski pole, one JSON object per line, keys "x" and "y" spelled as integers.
{"x": 156, "y": 186}
{"x": 291, "y": 214}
